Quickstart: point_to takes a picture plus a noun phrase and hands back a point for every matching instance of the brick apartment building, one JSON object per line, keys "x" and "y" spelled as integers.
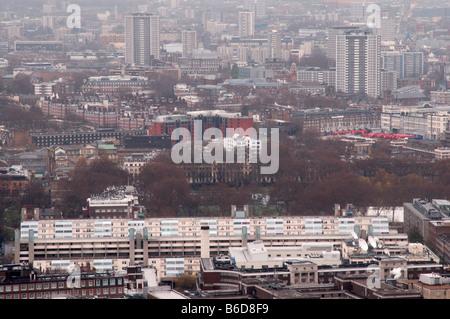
{"x": 209, "y": 119}
{"x": 23, "y": 282}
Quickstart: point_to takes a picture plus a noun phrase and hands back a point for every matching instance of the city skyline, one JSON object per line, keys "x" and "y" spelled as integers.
{"x": 235, "y": 152}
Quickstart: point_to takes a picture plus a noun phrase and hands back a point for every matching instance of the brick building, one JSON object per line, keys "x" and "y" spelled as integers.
{"x": 23, "y": 282}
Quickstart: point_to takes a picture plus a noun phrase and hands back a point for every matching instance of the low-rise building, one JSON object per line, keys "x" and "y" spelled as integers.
{"x": 121, "y": 202}
{"x": 22, "y": 282}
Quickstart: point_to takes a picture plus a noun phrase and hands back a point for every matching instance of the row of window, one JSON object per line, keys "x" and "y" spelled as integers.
{"x": 59, "y": 285}
{"x": 78, "y": 293}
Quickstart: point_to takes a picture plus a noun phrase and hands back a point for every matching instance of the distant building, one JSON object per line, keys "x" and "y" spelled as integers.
{"x": 358, "y": 69}
{"x": 258, "y": 7}
{"x": 50, "y": 139}
{"x": 38, "y": 46}
{"x": 13, "y": 180}
{"x": 440, "y": 97}
{"x": 246, "y": 22}
{"x": 328, "y": 120}
{"x": 147, "y": 142}
{"x": 201, "y": 62}
{"x": 317, "y": 75}
{"x": 121, "y": 202}
{"x": 331, "y": 43}
{"x": 134, "y": 162}
{"x": 115, "y": 85}
{"x": 23, "y": 282}
{"x": 209, "y": 119}
{"x": 426, "y": 218}
{"x": 405, "y": 64}
{"x": 188, "y": 41}
{"x": 274, "y": 42}
{"x": 142, "y": 32}
{"x": 430, "y": 286}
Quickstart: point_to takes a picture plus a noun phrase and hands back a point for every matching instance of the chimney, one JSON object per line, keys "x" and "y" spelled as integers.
{"x": 204, "y": 252}
{"x": 244, "y": 236}
{"x": 258, "y": 232}
{"x": 337, "y": 209}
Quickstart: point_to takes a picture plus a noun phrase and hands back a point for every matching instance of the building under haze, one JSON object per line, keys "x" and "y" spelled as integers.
{"x": 358, "y": 63}
{"x": 141, "y": 38}
{"x": 189, "y": 42}
{"x": 274, "y": 43}
{"x": 246, "y": 24}
{"x": 331, "y": 43}
{"x": 258, "y": 7}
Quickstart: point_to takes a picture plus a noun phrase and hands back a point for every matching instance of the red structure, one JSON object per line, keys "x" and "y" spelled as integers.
{"x": 209, "y": 119}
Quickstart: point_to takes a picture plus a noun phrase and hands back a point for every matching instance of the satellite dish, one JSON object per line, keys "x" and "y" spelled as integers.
{"x": 363, "y": 245}
{"x": 354, "y": 235}
{"x": 372, "y": 242}
{"x": 387, "y": 252}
